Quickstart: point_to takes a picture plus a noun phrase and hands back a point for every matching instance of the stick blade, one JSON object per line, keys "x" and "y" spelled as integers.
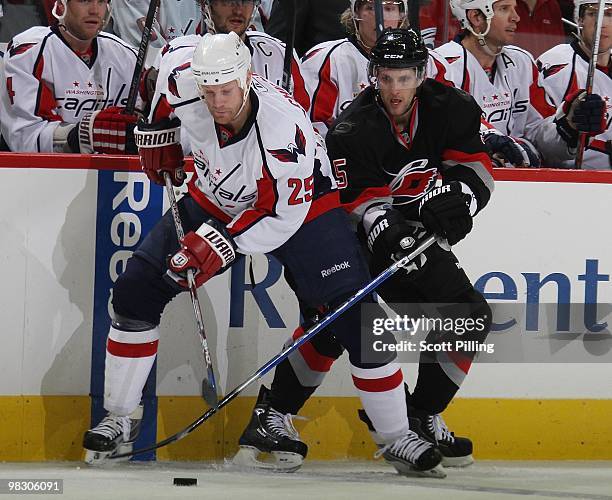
{"x": 209, "y": 390}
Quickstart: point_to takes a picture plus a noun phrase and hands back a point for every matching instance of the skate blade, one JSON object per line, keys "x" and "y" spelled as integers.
{"x": 98, "y": 458}
{"x": 280, "y": 461}
{"x": 457, "y": 461}
{"x": 404, "y": 469}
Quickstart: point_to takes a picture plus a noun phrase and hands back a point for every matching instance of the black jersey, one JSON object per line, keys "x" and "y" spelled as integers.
{"x": 375, "y": 161}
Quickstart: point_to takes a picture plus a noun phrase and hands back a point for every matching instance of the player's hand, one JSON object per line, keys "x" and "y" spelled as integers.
{"x": 109, "y": 131}
{"x": 445, "y": 212}
{"x": 159, "y": 148}
{"x": 581, "y": 113}
{"x": 390, "y": 238}
{"x": 207, "y": 251}
{"x": 508, "y": 151}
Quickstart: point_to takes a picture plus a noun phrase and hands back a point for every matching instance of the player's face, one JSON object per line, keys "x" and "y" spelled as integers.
{"x": 588, "y": 21}
{"x": 85, "y": 18}
{"x": 504, "y": 22}
{"x": 223, "y": 101}
{"x": 232, "y": 15}
{"x": 397, "y": 88}
{"x": 393, "y": 15}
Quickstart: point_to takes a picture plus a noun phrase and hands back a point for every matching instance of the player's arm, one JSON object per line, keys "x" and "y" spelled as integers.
{"x": 464, "y": 157}
{"x": 300, "y": 94}
{"x": 285, "y": 189}
{"x": 556, "y": 136}
{"x": 322, "y": 86}
{"x": 28, "y": 106}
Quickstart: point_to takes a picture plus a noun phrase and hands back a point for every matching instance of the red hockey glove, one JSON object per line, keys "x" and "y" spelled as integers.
{"x": 208, "y": 251}
{"x": 107, "y": 131}
{"x": 580, "y": 112}
{"x": 445, "y": 212}
{"x": 159, "y": 148}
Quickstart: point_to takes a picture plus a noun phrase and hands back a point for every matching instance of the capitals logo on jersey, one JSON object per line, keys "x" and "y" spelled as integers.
{"x": 291, "y": 154}
{"x": 172, "y": 86}
{"x": 412, "y": 181}
{"x": 19, "y": 49}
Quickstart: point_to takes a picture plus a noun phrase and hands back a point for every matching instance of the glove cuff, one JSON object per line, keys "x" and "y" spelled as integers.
{"x": 85, "y": 133}
{"x": 160, "y": 134}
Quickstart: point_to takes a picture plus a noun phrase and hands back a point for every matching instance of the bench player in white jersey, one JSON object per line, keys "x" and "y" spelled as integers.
{"x": 563, "y": 71}
{"x": 263, "y": 184}
{"x": 267, "y": 52}
{"x": 175, "y": 18}
{"x": 64, "y": 87}
{"x": 337, "y": 71}
{"x": 501, "y": 77}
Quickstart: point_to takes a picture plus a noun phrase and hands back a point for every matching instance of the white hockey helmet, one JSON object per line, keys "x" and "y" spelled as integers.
{"x": 60, "y": 18}
{"x": 220, "y": 59}
{"x": 580, "y": 3}
{"x": 207, "y": 13}
{"x": 459, "y": 9}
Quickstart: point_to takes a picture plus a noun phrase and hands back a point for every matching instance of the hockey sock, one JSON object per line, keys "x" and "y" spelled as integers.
{"x": 297, "y": 377}
{"x": 436, "y": 386}
{"x": 382, "y": 395}
{"x": 129, "y": 358}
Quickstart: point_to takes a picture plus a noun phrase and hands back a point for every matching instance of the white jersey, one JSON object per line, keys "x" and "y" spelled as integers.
{"x": 267, "y": 60}
{"x": 336, "y": 72}
{"x": 262, "y": 182}
{"x": 511, "y": 99}
{"x": 175, "y": 18}
{"x": 45, "y": 84}
{"x": 563, "y": 70}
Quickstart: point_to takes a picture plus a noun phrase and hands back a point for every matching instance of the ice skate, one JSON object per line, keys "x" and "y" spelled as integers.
{"x": 456, "y": 451}
{"x": 270, "y": 432}
{"x": 413, "y": 456}
{"x": 112, "y": 436}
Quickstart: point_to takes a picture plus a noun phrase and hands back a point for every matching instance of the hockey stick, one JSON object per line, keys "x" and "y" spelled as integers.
{"x": 141, "y": 56}
{"x": 209, "y": 387}
{"x": 591, "y": 76}
{"x": 310, "y": 333}
{"x": 290, "y": 14}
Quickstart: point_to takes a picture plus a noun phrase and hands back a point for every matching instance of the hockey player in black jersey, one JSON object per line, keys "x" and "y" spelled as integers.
{"x": 408, "y": 155}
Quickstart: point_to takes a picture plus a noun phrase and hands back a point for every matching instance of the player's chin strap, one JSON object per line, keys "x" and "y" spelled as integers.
{"x": 482, "y": 40}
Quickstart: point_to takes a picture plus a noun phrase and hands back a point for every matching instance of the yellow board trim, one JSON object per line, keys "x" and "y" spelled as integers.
{"x": 39, "y": 428}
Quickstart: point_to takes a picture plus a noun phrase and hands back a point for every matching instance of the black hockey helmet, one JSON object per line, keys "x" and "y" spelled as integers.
{"x": 398, "y": 48}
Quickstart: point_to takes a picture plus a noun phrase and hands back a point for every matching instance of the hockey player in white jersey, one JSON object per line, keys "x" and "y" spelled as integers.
{"x": 563, "y": 71}
{"x": 337, "y": 71}
{"x": 267, "y": 52}
{"x": 501, "y": 77}
{"x": 263, "y": 184}
{"x": 175, "y": 18}
{"x": 64, "y": 86}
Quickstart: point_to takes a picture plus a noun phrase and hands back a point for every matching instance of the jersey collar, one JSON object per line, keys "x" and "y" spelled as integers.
{"x": 94, "y": 47}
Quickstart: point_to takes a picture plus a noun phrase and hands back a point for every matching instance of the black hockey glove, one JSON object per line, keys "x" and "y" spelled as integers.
{"x": 508, "y": 151}
{"x": 580, "y": 112}
{"x": 391, "y": 238}
{"x": 445, "y": 212}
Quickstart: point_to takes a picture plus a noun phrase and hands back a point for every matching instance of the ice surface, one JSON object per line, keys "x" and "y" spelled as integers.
{"x": 321, "y": 480}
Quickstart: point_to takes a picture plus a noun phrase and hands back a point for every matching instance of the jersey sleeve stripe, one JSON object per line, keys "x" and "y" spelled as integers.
{"x": 480, "y": 163}
{"x": 299, "y": 87}
{"x": 326, "y": 94}
{"x": 367, "y": 195}
{"x": 537, "y": 95}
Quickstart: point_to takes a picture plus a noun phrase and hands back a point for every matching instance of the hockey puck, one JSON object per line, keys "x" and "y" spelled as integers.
{"x": 185, "y": 481}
